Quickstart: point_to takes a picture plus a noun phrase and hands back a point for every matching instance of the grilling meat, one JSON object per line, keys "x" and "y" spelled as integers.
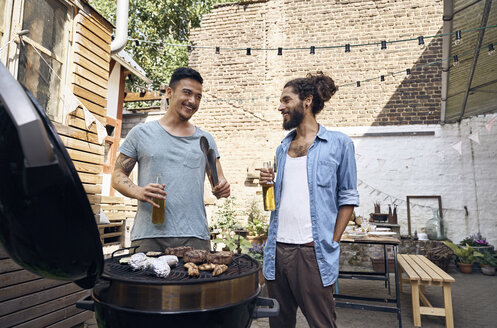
{"x": 192, "y": 269}
{"x": 207, "y": 266}
{"x": 220, "y": 268}
{"x": 178, "y": 251}
{"x": 224, "y": 257}
{"x": 195, "y": 256}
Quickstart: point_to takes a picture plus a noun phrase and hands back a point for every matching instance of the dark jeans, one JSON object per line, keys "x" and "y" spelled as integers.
{"x": 160, "y": 244}
{"x": 298, "y": 284}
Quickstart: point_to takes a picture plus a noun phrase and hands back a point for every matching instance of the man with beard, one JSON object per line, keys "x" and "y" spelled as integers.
{"x": 169, "y": 150}
{"x": 315, "y": 192}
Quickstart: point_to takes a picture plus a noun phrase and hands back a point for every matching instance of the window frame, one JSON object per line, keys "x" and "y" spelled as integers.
{"x": 11, "y": 56}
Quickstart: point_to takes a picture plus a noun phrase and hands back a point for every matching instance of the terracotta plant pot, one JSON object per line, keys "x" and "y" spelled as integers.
{"x": 487, "y": 270}
{"x": 466, "y": 267}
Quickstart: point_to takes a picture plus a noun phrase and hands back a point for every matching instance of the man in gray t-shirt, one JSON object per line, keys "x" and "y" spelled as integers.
{"x": 169, "y": 150}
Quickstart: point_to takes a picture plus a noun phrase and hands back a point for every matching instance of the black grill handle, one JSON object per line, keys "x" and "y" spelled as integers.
{"x": 263, "y": 312}
{"x": 124, "y": 249}
{"x": 86, "y": 303}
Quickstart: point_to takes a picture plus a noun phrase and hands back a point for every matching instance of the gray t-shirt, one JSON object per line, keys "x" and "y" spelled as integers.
{"x": 180, "y": 164}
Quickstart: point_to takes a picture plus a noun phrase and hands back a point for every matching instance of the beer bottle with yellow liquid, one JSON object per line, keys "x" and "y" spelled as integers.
{"x": 159, "y": 213}
{"x": 268, "y": 192}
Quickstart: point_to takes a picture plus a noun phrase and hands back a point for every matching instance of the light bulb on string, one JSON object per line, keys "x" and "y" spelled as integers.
{"x": 491, "y": 49}
{"x": 218, "y": 50}
{"x": 455, "y": 60}
{"x": 249, "y": 52}
{"x": 458, "y": 37}
{"x": 358, "y": 83}
{"x": 421, "y": 41}
{"x": 347, "y": 47}
{"x": 280, "y": 51}
{"x": 313, "y": 50}
{"x": 383, "y": 45}
{"x": 408, "y": 72}
{"x": 382, "y": 78}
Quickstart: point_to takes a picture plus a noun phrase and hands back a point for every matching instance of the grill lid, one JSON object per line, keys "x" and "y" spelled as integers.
{"x": 46, "y": 222}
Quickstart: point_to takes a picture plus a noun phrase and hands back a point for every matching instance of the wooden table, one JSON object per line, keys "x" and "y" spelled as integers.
{"x": 354, "y": 301}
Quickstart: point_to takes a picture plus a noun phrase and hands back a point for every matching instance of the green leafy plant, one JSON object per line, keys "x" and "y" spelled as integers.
{"x": 466, "y": 254}
{"x": 489, "y": 259}
{"x": 257, "y": 223}
{"x": 226, "y": 223}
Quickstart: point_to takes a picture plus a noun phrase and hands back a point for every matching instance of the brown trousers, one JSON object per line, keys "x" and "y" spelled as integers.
{"x": 160, "y": 244}
{"x": 298, "y": 284}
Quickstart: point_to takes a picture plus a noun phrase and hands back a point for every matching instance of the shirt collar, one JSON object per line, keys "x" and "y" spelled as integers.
{"x": 321, "y": 135}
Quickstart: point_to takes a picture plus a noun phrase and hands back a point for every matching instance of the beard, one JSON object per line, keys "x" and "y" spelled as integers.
{"x": 296, "y": 117}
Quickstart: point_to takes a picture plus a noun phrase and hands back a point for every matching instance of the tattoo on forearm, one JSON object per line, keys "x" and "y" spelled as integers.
{"x": 125, "y": 163}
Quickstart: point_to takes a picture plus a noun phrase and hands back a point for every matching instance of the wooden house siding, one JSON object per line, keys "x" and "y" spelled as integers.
{"x": 90, "y": 74}
{"x": 27, "y": 300}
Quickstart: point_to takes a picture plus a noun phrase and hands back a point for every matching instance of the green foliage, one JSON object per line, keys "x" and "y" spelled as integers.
{"x": 489, "y": 259}
{"x": 169, "y": 21}
{"x": 465, "y": 254}
{"x": 257, "y": 223}
{"x": 225, "y": 225}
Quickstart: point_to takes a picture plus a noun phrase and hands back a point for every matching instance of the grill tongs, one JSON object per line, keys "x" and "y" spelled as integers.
{"x": 210, "y": 159}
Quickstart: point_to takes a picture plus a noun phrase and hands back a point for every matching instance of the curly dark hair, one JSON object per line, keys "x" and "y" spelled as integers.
{"x": 320, "y": 86}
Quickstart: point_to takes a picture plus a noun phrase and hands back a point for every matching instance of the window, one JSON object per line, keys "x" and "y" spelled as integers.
{"x": 2, "y": 20}
{"x": 49, "y": 26}
{"x": 46, "y": 22}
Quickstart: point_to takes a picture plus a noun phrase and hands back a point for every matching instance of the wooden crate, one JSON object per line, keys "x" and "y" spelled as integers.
{"x": 117, "y": 210}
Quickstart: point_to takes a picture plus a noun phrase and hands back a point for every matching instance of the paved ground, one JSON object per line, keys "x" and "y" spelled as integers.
{"x": 474, "y": 298}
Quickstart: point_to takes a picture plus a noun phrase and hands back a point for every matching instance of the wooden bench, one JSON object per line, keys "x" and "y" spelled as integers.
{"x": 420, "y": 273}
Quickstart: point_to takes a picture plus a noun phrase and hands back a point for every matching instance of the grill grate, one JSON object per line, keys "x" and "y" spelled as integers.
{"x": 242, "y": 265}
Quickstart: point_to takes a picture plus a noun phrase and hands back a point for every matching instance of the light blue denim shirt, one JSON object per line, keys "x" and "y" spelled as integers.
{"x": 332, "y": 179}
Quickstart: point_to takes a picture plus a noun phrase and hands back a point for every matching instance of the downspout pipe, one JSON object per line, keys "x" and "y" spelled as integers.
{"x": 121, "y": 36}
{"x": 448, "y": 16}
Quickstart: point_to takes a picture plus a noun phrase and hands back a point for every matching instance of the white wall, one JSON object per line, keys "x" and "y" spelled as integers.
{"x": 393, "y": 167}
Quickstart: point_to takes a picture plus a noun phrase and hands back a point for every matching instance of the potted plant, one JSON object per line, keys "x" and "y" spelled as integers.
{"x": 488, "y": 263}
{"x": 257, "y": 225}
{"x": 478, "y": 242}
{"x": 465, "y": 254}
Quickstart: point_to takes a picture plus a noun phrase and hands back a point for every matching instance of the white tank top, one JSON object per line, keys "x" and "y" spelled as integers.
{"x": 294, "y": 226}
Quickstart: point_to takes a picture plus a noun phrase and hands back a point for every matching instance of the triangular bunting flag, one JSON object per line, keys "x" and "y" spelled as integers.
{"x": 71, "y": 103}
{"x": 89, "y": 118}
{"x": 101, "y": 132}
{"x": 490, "y": 124}
{"x": 475, "y": 137}
{"x": 458, "y": 147}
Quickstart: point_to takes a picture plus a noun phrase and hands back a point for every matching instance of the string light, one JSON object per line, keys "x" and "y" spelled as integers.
{"x": 421, "y": 41}
{"x": 382, "y": 78}
{"x": 408, "y": 72}
{"x": 491, "y": 49}
{"x": 313, "y": 50}
{"x": 280, "y": 51}
{"x": 189, "y": 48}
{"x": 458, "y": 37}
{"x": 455, "y": 60}
{"x": 217, "y": 50}
{"x": 249, "y": 52}
{"x": 347, "y": 47}
{"x": 358, "y": 83}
